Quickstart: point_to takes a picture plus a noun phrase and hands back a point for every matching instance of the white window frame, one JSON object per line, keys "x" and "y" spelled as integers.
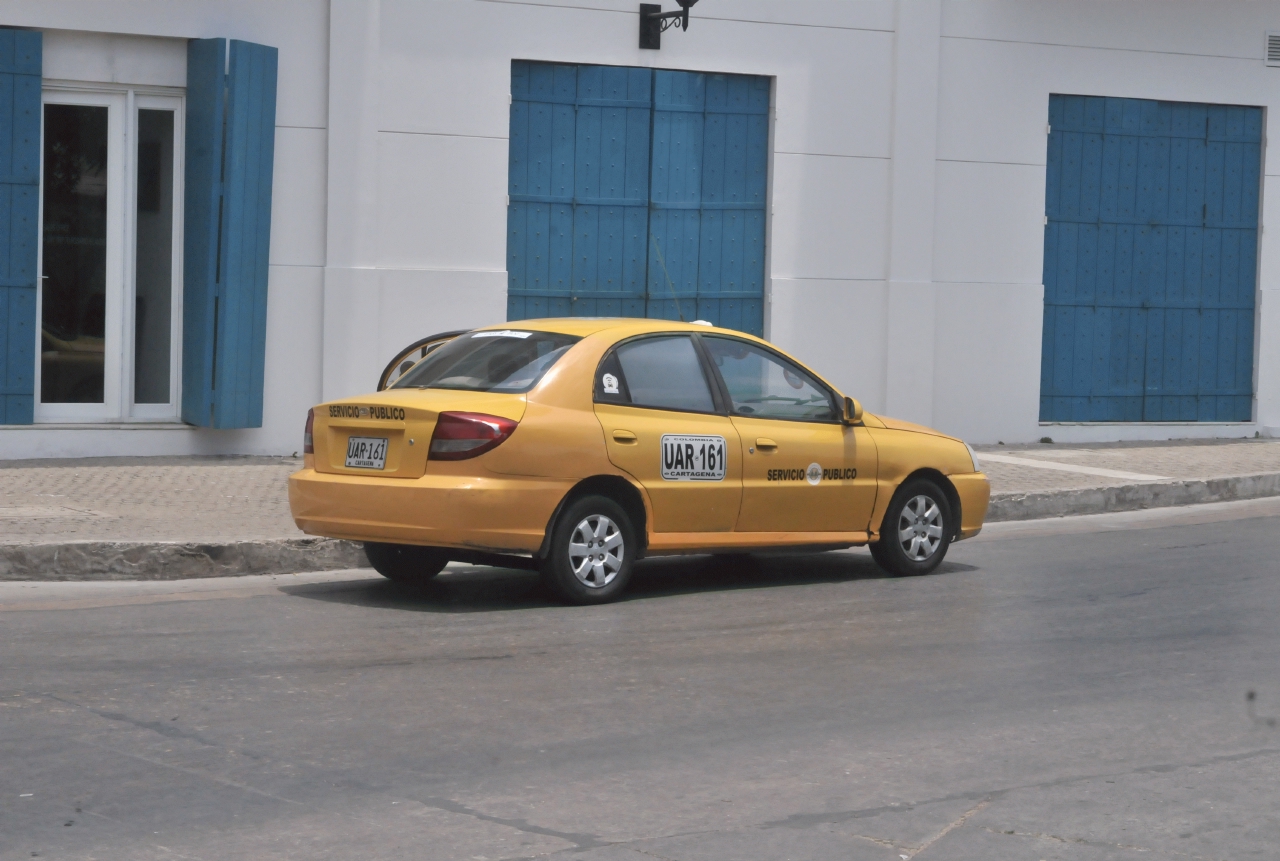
{"x": 123, "y": 104}
{"x": 172, "y": 410}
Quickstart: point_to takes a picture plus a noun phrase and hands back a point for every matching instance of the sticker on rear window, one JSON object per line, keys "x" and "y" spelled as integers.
{"x": 502, "y": 333}
{"x": 692, "y": 458}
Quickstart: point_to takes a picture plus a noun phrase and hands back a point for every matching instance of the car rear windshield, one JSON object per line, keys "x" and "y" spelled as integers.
{"x": 510, "y": 360}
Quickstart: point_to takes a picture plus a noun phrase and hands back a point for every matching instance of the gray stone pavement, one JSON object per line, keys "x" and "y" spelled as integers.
{"x": 1175, "y": 460}
{"x": 1049, "y": 480}
{"x": 223, "y": 515}
{"x": 192, "y": 499}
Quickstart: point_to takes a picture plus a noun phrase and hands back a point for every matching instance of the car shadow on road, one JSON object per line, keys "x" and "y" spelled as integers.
{"x": 484, "y": 589}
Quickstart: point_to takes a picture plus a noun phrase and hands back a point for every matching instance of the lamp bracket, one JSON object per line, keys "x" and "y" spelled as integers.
{"x": 654, "y": 22}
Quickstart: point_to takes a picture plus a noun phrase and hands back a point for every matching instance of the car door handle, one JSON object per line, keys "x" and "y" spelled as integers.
{"x": 765, "y": 444}
{"x": 625, "y": 437}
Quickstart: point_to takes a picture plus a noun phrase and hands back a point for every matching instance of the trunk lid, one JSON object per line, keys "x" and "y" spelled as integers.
{"x": 404, "y": 418}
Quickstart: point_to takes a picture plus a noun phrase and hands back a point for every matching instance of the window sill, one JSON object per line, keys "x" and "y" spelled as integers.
{"x": 144, "y": 424}
{"x": 1148, "y": 424}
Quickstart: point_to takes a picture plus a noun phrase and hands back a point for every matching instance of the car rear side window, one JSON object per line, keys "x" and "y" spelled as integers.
{"x": 762, "y": 385}
{"x": 662, "y": 373}
{"x": 510, "y": 360}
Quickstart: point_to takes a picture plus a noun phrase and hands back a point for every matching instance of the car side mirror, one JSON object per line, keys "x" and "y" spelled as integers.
{"x": 852, "y": 412}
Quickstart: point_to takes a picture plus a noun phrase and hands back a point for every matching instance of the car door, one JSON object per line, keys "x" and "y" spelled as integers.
{"x": 665, "y": 425}
{"x": 804, "y": 470}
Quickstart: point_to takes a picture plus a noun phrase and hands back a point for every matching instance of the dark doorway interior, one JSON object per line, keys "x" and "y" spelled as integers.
{"x": 73, "y": 317}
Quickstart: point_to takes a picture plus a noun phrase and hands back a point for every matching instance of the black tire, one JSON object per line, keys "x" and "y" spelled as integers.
{"x": 408, "y": 564}
{"x": 597, "y": 517}
{"x": 902, "y": 557}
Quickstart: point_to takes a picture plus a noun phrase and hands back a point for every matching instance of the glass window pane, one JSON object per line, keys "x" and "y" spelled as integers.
{"x": 153, "y": 263}
{"x": 489, "y": 361}
{"x": 74, "y": 265}
{"x": 764, "y": 386}
{"x": 665, "y": 373}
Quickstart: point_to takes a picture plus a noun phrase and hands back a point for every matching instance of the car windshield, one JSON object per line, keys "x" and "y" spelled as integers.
{"x": 510, "y": 360}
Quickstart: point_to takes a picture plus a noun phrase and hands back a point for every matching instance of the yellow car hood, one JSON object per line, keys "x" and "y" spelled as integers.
{"x": 900, "y": 425}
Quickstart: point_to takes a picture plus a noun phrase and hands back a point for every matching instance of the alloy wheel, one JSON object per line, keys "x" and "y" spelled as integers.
{"x": 596, "y": 551}
{"x": 920, "y": 528}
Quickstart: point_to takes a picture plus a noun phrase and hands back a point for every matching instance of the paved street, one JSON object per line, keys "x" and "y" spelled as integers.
{"x": 1066, "y": 689}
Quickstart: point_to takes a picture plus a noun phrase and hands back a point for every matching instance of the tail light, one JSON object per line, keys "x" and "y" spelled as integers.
{"x": 459, "y": 436}
{"x": 308, "y": 441}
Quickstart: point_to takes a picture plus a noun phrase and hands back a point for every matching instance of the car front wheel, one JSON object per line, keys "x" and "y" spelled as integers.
{"x": 592, "y": 551}
{"x": 916, "y": 531}
{"x": 406, "y": 563}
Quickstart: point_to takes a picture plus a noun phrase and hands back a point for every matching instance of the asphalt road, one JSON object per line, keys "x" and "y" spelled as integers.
{"x": 1071, "y": 689}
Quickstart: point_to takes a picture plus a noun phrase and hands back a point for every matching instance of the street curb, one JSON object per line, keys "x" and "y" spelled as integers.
{"x": 176, "y": 560}
{"x": 1129, "y": 497}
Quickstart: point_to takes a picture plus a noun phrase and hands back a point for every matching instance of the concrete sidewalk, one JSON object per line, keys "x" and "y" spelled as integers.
{"x": 1034, "y": 481}
{"x": 170, "y": 518}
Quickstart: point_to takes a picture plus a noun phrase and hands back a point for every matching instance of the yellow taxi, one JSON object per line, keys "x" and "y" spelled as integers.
{"x": 577, "y": 446}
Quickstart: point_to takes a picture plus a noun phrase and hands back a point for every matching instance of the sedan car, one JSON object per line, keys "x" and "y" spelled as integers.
{"x": 577, "y": 446}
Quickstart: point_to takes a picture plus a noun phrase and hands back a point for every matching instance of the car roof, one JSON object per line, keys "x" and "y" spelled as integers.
{"x": 624, "y": 326}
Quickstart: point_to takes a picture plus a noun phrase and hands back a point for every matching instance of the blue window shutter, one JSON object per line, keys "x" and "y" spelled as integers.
{"x": 246, "y": 235}
{"x": 577, "y": 218}
{"x": 635, "y": 192}
{"x": 611, "y": 186}
{"x": 706, "y": 226}
{"x": 1150, "y": 260}
{"x": 20, "y": 68}
{"x": 230, "y": 155}
{"x": 206, "y": 90}
{"x": 675, "y": 194}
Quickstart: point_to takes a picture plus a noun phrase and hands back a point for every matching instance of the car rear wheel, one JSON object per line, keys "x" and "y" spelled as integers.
{"x": 592, "y": 550}
{"x": 406, "y": 563}
{"x": 916, "y": 531}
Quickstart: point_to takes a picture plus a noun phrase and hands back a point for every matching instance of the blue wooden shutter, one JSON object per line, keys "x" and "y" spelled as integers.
{"x": 578, "y": 183}
{"x": 735, "y": 161}
{"x": 246, "y": 234}
{"x": 540, "y": 185}
{"x": 1150, "y": 265}
{"x": 610, "y": 191}
{"x": 708, "y": 187}
{"x": 675, "y": 194}
{"x": 637, "y": 193}
{"x": 206, "y": 95}
{"x": 230, "y": 156}
{"x": 20, "y": 69}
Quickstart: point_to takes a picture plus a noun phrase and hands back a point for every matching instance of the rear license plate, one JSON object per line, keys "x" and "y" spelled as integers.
{"x": 367, "y": 452}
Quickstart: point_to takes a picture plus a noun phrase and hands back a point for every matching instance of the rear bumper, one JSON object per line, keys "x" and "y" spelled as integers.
{"x": 975, "y": 494}
{"x": 501, "y": 513}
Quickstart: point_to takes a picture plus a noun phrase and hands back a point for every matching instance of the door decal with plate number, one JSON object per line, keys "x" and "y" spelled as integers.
{"x": 692, "y": 458}
{"x": 367, "y": 452}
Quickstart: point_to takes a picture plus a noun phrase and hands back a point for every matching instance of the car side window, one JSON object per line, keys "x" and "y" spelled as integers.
{"x": 661, "y": 373}
{"x": 762, "y": 385}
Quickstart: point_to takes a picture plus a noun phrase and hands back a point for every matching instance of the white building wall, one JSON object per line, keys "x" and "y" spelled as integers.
{"x": 1000, "y": 63}
{"x": 98, "y": 42}
{"x": 907, "y": 179}
{"x": 439, "y": 150}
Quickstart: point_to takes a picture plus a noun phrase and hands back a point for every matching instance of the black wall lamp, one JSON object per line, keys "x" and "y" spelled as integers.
{"x": 653, "y": 21}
